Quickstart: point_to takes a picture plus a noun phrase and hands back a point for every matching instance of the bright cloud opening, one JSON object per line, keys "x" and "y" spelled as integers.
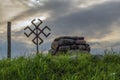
{"x": 20, "y": 25}
{"x": 43, "y": 18}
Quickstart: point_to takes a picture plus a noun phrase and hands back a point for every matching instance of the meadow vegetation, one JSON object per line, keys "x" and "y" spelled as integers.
{"x": 62, "y": 67}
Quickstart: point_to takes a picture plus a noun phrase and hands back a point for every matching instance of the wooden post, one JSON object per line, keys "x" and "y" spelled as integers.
{"x": 9, "y": 40}
{"x": 37, "y": 47}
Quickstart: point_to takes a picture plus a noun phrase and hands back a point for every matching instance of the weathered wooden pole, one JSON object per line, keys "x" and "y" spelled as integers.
{"x": 9, "y": 40}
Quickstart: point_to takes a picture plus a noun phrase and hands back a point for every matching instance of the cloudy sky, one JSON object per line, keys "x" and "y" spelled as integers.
{"x": 97, "y": 20}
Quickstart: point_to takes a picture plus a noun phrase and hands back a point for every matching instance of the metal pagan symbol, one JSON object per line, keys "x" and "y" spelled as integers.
{"x": 37, "y": 40}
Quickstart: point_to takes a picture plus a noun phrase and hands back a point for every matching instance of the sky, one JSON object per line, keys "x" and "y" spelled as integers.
{"x": 97, "y": 20}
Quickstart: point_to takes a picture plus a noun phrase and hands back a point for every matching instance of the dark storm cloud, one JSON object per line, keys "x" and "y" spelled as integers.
{"x": 94, "y": 21}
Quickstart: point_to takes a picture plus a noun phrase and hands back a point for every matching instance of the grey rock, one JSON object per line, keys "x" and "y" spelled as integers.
{"x": 66, "y": 43}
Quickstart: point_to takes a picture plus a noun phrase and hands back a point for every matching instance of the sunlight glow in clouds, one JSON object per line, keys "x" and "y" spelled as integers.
{"x": 36, "y": 2}
{"x": 43, "y": 18}
{"x": 20, "y": 25}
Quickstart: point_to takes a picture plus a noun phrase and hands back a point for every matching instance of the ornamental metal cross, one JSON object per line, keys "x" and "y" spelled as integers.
{"x": 37, "y": 40}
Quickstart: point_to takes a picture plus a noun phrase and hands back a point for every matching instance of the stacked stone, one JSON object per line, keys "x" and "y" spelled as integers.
{"x": 63, "y": 44}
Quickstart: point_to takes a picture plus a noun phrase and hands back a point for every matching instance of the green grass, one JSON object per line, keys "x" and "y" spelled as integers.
{"x": 62, "y": 67}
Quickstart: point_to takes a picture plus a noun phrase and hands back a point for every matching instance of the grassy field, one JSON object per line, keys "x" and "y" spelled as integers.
{"x": 62, "y": 67}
